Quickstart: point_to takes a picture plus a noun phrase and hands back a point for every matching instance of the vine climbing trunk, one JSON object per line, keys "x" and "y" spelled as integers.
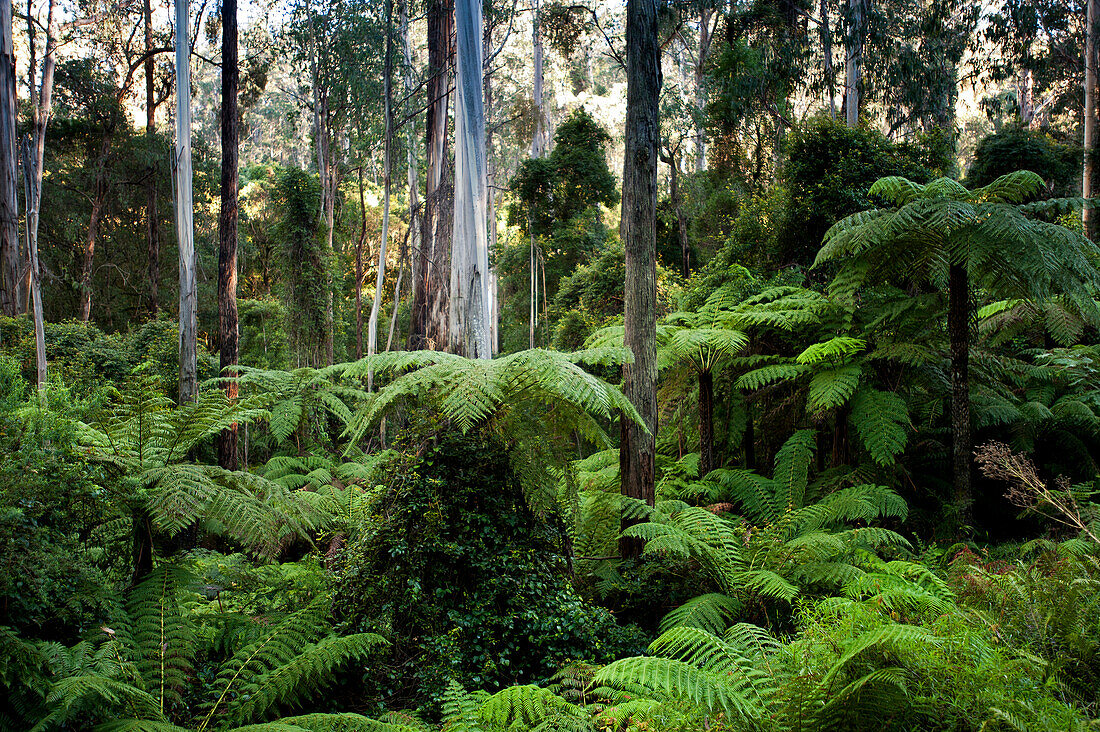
{"x": 185, "y": 229}
{"x": 637, "y": 450}
{"x": 468, "y": 324}
{"x": 958, "y": 328}
{"x": 228, "y": 329}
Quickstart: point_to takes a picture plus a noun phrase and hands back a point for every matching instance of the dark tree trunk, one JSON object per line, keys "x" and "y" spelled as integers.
{"x": 706, "y": 422}
{"x": 681, "y": 219}
{"x": 428, "y": 326}
{"x": 152, "y": 233}
{"x": 228, "y": 334}
{"x": 359, "y": 270}
{"x": 958, "y": 328}
{"x": 9, "y": 213}
{"x": 142, "y": 546}
{"x": 637, "y": 451}
{"x": 749, "y": 440}
{"x": 99, "y": 199}
{"x": 1092, "y": 57}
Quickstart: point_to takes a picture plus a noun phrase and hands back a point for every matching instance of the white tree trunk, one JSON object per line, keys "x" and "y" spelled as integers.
{"x": 854, "y": 60}
{"x": 33, "y": 183}
{"x": 469, "y": 310}
{"x": 539, "y": 142}
{"x": 185, "y": 210}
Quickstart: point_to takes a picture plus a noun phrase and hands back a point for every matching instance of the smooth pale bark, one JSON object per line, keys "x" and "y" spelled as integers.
{"x": 490, "y": 177}
{"x": 359, "y": 245}
{"x": 33, "y": 183}
{"x": 428, "y": 326}
{"x": 33, "y": 164}
{"x": 9, "y": 204}
{"x": 637, "y": 450}
{"x": 853, "y": 64}
{"x": 958, "y": 330}
{"x": 700, "y": 91}
{"x": 1092, "y": 57}
{"x": 387, "y": 144}
{"x": 152, "y": 229}
{"x": 228, "y": 328}
{"x": 468, "y": 326}
{"x": 539, "y": 142}
{"x": 827, "y": 55}
{"x": 185, "y": 211}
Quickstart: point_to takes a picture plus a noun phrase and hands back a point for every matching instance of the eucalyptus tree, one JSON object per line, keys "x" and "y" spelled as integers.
{"x": 955, "y": 239}
{"x": 637, "y": 450}
{"x": 9, "y": 214}
{"x": 185, "y": 211}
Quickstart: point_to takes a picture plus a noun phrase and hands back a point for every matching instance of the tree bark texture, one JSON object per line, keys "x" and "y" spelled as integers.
{"x": 468, "y": 323}
{"x": 387, "y": 144}
{"x": 637, "y": 449}
{"x": 228, "y": 329}
{"x": 185, "y": 212}
{"x": 700, "y": 90}
{"x": 853, "y": 64}
{"x": 1092, "y": 57}
{"x": 958, "y": 327}
{"x": 99, "y": 200}
{"x": 33, "y": 182}
{"x": 428, "y": 328}
{"x": 827, "y": 56}
{"x": 9, "y": 205}
{"x": 359, "y": 245}
{"x": 706, "y": 422}
{"x": 539, "y": 142}
{"x": 152, "y": 230}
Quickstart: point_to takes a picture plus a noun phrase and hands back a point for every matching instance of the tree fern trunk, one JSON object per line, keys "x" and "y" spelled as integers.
{"x": 706, "y": 422}
{"x": 958, "y": 327}
{"x": 638, "y": 230}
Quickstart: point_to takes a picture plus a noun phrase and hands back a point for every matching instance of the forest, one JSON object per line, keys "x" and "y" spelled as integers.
{"x": 556, "y": 365}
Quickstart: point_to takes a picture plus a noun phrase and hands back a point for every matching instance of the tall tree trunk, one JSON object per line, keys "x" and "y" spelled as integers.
{"x": 1092, "y": 58}
{"x": 678, "y": 208}
{"x": 468, "y": 324}
{"x": 853, "y": 64}
{"x": 706, "y": 422}
{"x": 490, "y": 179}
{"x": 359, "y": 270}
{"x": 152, "y": 231}
{"x": 539, "y": 142}
{"x": 415, "y": 212}
{"x": 428, "y": 328}
{"x": 700, "y": 92}
{"x": 185, "y": 212}
{"x": 9, "y": 203}
{"x": 958, "y": 328}
{"x": 1025, "y": 94}
{"x": 33, "y": 165}
{"x": 33, "y": 185}
{"x": 387, "y": 144}
{"x": 326, "y": 173}
{"x": 637, "y": 451}
{"x": 228, "y": 329}
{"x": 99, "y": 200}
{"x": 827, "y": 55}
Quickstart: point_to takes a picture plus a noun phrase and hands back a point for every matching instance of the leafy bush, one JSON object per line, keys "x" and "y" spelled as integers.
{"x": 459, "y": 574}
